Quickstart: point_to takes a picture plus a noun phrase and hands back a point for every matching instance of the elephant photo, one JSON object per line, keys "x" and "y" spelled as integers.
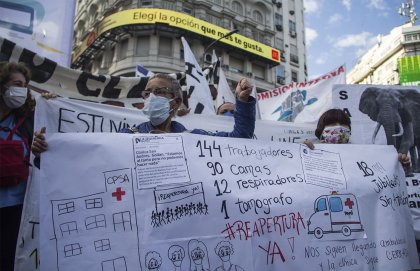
{"x": 397, "y": 111}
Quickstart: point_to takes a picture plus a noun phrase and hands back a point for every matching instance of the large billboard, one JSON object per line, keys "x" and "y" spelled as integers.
{"x": 177, "y": 20}
{"x": 409, "y": 69}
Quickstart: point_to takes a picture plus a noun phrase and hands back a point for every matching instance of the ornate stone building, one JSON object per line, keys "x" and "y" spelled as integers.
{"x": 112, "y": 36}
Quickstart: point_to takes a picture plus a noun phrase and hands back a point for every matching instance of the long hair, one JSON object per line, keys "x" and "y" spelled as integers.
{"x": 6, "y": 71}
{"x": 329, "y": 117}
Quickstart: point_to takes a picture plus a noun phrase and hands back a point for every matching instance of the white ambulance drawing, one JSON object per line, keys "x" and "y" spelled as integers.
{"x": 335, "y": 213}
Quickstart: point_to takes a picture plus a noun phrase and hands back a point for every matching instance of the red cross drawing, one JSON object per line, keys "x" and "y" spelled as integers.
{"x": 349, "y": 203}
{"x": 118, "y": 194}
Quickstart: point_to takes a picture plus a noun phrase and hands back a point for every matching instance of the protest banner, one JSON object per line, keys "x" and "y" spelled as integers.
{"x": 68, "y": 116}
{"x": 192, "y": 202}
{"x": 42, "y": 26}
{"x": 47, "y": 75}
{"x": 373, "y": 107}
{"x": 300, "y": 102}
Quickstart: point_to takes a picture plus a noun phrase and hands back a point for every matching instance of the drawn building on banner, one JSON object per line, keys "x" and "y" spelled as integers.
{"x": 95, "y": 229}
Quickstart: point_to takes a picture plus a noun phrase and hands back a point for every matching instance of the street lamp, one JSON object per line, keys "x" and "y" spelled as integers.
{"x": 215, "y": 41}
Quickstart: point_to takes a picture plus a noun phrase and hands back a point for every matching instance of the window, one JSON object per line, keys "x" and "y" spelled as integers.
{"x": 292, "y": 28}
{"x": 258, "y": 36}
{"x": 237, "y": 7}
{"x": 122, "y": 221}
{"x": 68, "y": 228}
{"x": 102, "y": 245}
{"x": 169, "y": 5}
{"x": 321, "y": 205}
{"x": 65, "y": 208}
{"x": 72, "y": 250}
{"x": 335, "y": 204}
{"x": 143, "y": 46}
{"x": 280, "y": 75}
{"x": 258, "y": 71}
{"x": 117, "y": 264}
{"x": 278, "y": 21}
{"x": 236, "y": 64}
{"x": 165, "y": 46}
{"x": 257, "y": 16}
{"x": 94, "y": 203}
{"x": 145, "y": 3}
{"x": 219, "y": 2}
{"x": 294, "y": 54}
{"x": 122, "y": 49}
{"x": 294, "y": 76}
{"x": 96, "y": 221}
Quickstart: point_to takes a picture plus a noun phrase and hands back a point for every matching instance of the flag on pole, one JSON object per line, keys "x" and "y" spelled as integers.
{"x": 142, "y": 71}
{"x": 198, "y": 91}
{"x": 224, "y": 93}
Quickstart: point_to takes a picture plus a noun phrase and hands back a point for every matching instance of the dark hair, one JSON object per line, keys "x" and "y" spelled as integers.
{"x": 6, "y": 71}
{"x": 329, "y": 117}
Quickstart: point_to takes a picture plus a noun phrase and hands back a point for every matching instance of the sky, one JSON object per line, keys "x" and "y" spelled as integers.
{"x": 341, "y": 31}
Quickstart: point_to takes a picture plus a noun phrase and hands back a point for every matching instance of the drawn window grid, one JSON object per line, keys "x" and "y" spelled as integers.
{"x": 336, "y": 205}
{"x": 72, "y": 250}
{"x": 102, "y": 245}
{"x": 68, "y": 228}
{"x": 94, "y": 203}
{"x": 66, "y": 208}
{"x": 117, "y": 264}
{"x": 122, "y": 219}
{"x": 96, "y": 221}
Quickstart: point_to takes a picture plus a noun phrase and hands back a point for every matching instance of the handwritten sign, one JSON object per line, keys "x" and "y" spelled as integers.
{"x": 244, "y": 205}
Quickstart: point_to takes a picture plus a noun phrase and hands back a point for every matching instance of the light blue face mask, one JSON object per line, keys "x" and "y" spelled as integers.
{"x": 228, "y": 114}
{"x": 157, "y": 108}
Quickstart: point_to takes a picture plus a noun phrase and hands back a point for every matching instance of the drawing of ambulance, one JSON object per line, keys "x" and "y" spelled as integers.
{"x": 335, "y": 213}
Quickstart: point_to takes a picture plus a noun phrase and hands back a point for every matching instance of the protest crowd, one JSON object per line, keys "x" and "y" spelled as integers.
{"x": 164, "y": 108}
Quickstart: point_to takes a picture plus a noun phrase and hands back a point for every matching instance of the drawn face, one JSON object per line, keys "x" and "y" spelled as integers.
{"x": 197, "y": 255}
{"x": 224, "y": 253}
{"x": 153, "y": 264}
{"x": 176, "y": 258}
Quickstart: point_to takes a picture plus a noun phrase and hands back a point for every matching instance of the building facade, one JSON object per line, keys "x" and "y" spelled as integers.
{"x": 386, "y": 62}
{"x": 275, "y": 24}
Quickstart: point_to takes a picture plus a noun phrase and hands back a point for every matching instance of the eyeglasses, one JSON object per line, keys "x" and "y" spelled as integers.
{"x": 162, "y": 91}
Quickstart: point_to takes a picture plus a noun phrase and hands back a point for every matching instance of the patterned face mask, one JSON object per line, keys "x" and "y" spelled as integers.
{"x": 336, "y": 135}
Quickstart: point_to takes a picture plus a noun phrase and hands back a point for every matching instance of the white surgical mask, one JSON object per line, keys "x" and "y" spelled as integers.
{"x": 336, "y": 135}
{"x": 157, "y": 108}
{"x": 15, "y": 97}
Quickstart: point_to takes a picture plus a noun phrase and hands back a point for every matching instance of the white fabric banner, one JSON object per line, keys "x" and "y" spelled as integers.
{"x": 300, "y": 102}
{"x": 370, "y": 105}
{"x": 192, "y": 202}
{"x": 43, "y": 26}
{"x": 69, "y": 116}
{"x": 199, "y": 97}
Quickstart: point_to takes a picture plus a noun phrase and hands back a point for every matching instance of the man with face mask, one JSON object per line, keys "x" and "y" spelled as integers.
{"x": 16, "y": 132}
{"x": 226, "y": 109}
{"x": 166, "y": 97}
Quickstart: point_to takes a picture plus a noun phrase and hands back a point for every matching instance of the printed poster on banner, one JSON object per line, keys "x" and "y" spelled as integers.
{"x": 384, "y": 114}
{"x": 42, "y": 26}
{"x": 266, "y": 205}
{"x": 300, "y": 102}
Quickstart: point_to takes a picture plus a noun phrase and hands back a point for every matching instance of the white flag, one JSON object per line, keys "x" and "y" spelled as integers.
{"x": 198, "y": 91}
{"x": 224, "y": 93}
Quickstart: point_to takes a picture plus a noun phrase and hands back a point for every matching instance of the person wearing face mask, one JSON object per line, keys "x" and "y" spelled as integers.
{"x": 16, "y": 132}
{"x": 166, "y": 97}
{"x": 226, "y": 109}
{"x": 334, "y": 127}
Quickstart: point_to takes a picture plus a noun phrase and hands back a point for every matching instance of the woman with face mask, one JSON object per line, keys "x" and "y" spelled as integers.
{"x": 16, "y": 132}
{"x": 165, "y": 99}
{"x": 334, "y": 127}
